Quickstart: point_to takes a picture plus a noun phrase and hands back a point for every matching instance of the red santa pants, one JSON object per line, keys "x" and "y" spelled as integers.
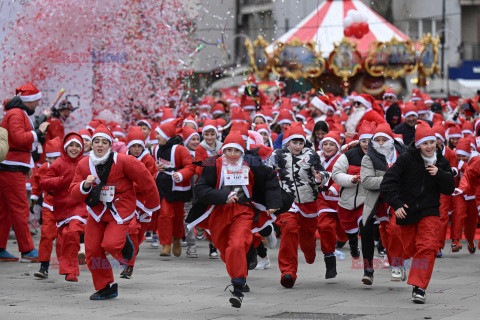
{"x": 152, "y": 225}
{"x": 100, "y": 237}
{"x": 69, "y": 237}
{"x": 464, "y": 218}
{"x": 446, "y": 208}
{"x": 420, "y": 241}
{"x": 170, "y": 221}
{"x": 136, "y": 232}
{"x": 48, "y": 234}
{"x": 296, "y": 230}
{"x": 327, "y": 226}
{"x": 349, "y": 218}
{"x": 14, "y": 210}
{"x": 390, "y": 234}
{"x": 231, "y": 231}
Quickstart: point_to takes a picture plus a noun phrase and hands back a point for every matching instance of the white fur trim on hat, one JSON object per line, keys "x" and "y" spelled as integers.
{"x": 468, "y": 131}
{"x": 294, "y": 136}
{"x": 249, "y": 107}
{"x": 329, "y": 139}
{"x": 319, "y": 104}
{"x": 33, "y": 97}
{"x": 439, "y": 136}
{"x": 427, "y": 138}
{"x": 210, "y": 127}
{"x": 454, "y": 135}
{"x": 84, "y": 136}
{"x": 463, "y": 153}
{"x": 102, "y": 135}
{"x": 190, "y": 137}
{"x": 409, "y": 113}
{"x": 363, "y": 101}
{"x": 233, "y": 145}
{"x": 190, "y": 121}
{"x": 160, "y": 132}
{"x": 167, "y": 120}
{"x": 70, "y": 141}
{"x": 382, "y": 134}
{"x": 118, "y": 133}
{"x": 53, "y": 154}
{"x": 389, "y": 94}
{"x": 365, "y": 136}
{"x": 264, "y": 130}
{"x": 146, "y": 123}
{"x": 140, "y": 142}
{"x": 284, "y": 121}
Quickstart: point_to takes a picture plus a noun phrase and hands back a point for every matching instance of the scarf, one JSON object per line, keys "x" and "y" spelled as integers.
{"x": 387, "y": 150}
{"x": 99, "y": 160}
{"x": 429, "y": 160}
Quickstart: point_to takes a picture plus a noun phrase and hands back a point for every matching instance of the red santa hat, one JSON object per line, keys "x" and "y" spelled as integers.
{"x": 320, "y": 103}
{"x": 92, "y": 125}
{"x": 426, "y": 98}
{"x": 210, "y": 124}
{"x": 333, "y": 136}
{"x": 237, "y": 115}
{"x": 421, "y": 107}
{"x": 85, "y": 134}
{"x": 188, "y": 133}
{"x": 220, "y": 122}
{"x": 309, "y": 126}
{"x": 240, "y": 127}
{"x": 103, "y": 132}
{"x": 438, "y": 118}
{"x": 423, "y": 133}
{"x": 398, "y": 137}
{"x": 295, "y": 131}
{"x": 389, "y": 93}
{"x": 135, "y": 136}
{"x": 383, "y": 130}
{"x": 463, "y": 147}
{"x": 439, "y": 131}
{"x": 70, "y": 138}
{"x": 218, "y": 108}
{"x": 145, "y": 122}
{"x": 168, "y": 129}
{"x": 367, "y": 130}
{"x": 416, "y": 95}
{"x": 248, "y": 103}
{"x": 454, "y": 131}
{"x": 409, "y": 109}
{"x": 117, "y": 131}
{"x": 295, "y": 98}
{"x": 262, "y": 128}
{"x": 28, "y": 93}
{"x": 190, "y": 119}
{"x": 234, "y": 140}
{"x": 158, "y": 112}
{"x": 152, "y": 139}
{"x": 284, "y": 116}
{"x": 53, "y": 147}
{"x": 365, "y": 99}
{"x": 167, "y": 116}
{"x": 303, "y": 114}
{"x": 468, "y": 128}
{"x": 206, "y": 103}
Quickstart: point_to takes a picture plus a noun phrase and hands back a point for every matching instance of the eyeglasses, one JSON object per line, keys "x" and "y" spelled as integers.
{"x": 388, "y": 98}
{"x": 356, "y": 103}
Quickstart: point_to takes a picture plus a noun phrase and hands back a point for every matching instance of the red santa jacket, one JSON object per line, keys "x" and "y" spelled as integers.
{"x": 327, "y": 203}
{"x": 125, "y": 171}
{"x": 22, "y": 138}
{"x": 37, "y": 191}
{"x": 468, "y": 184}
{"x": 56, "y": 182}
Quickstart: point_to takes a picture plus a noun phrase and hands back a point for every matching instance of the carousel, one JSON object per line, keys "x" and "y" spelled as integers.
{"x": 345, "y": 46}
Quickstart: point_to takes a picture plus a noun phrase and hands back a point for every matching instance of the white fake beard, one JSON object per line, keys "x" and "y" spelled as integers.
{"x": 96, "y": 160}
{"x": 354, "y": 119}
{"x": 429, "y": 160}
{"x": 387, "y": 149}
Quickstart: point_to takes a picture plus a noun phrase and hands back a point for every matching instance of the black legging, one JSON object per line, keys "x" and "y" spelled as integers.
{"x": 367, "y": 233}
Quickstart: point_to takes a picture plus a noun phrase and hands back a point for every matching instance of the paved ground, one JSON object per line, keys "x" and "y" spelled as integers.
{"x": 186, "y": 288}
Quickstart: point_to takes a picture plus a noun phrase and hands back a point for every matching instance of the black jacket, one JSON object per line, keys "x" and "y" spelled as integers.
{"x": 407, "y": 132}
{"x": 266, "y": 188}
{"x": 408, "y": 182}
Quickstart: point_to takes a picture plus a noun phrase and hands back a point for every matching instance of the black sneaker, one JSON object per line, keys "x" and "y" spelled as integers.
{"x": 331, "y": 266}
{"x": 42, "y": 273}
{"x": 355, "y": 252}
{"x": 418, "y": 295}
{"x": 287, "y": 281}
{"x": 109, "y": 292}
{"x": 213, "y": 252}
{"x": 236, "y": 298}
{"x": 128, "y": 249}
{"x": 340, "y": 244}
{"x": 367, "y": 278}
{"x": 246, "y": 288}
{"x": 127, "y": 273}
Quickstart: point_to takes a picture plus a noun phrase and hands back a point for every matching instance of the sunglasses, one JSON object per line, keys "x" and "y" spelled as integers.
{"x": 356, "y": 103}
{"x": 388, "y": 98}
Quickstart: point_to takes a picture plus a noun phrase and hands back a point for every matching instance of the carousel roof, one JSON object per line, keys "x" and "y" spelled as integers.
{"x": 325, "y": 27}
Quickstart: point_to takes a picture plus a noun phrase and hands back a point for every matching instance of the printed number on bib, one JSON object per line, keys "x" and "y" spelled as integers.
{"x": 236, "y": 177}
{"x": 107, "y": 194}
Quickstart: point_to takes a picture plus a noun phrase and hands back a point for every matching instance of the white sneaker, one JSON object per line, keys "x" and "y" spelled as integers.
{"x": 148, "y": 236}
{"x": 154, "y": 243}
{"x": 385, "y": 264}
{"x": 263, "y": 263}
{"x": 396, "y": 274}
{"x": 272, "y": 240}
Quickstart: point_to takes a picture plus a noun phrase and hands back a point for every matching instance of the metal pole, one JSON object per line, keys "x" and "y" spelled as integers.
{"x": 442, "y": 40}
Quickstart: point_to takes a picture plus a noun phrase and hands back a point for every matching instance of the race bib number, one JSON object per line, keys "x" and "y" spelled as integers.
{"x": 236, "y": 177}
{"x": 107, "y": 194}
{"x": 166, "y": 164}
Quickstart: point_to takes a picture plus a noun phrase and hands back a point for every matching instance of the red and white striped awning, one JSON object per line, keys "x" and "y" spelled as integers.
{"x": 324, "y": 26}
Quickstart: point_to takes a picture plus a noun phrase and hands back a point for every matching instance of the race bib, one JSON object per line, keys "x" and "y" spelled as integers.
{"x": 236, "y": 177}
{"x": 107, "y": 194}
{"x": 477, "y": 141}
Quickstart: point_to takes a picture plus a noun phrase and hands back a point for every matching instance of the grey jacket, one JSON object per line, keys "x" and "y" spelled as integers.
{"x": 3, "y": 144}
{"x": 371, "y": 180}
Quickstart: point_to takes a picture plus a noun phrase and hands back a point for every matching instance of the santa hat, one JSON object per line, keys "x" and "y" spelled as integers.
{"x": 248, "y": 103}
{"x": 103, "y": 132}
{"x": 453, "y": 131}
{"x": 53, "y": 147}
{"x": 95, "y": 123}
{"x": 389, "y": 93}
{"x": 135, "y": 136}
{"x": 145, "y": 122}
{"x": 218, "y": 108}
{"x": 70, "y": 138}
{"x": 421, "y": 107}
{"x": 295, "y": 98}
{"x": 383, "y": 130}
{"x": 365, "y": 99}
{"x": 262, "y": 128}
{"x": 439, "y": 131}
{"x": 467, "y": 128}
{"x": 284, "y": 116}
{"x": 333, "y": 136}
{"x": 237, "y": 115}
{"x": 210, "y": 124}
{"x": 158, "y": 112}
{"x": 295, "y": 131}
{"x": 28, "y": 93}
{"x": 167, "y": 116}
{"x": 206, "y": 103}
{"x": 398, "y": 137}
{"x": 152, "y": 139}
{"x": 260, "y": 115}
{"x": 423, "y": 133}
{"x": 220, "y": 122}
{"x": 320, "y": 103}
{"x": 85, "y": 134}
{"x": 240, "y": 127}
{"x": 117, "y": 131}
{"x": 426, "y": 98}
{"x": 416, "y": 95}
{"x": 410, "y": 109}
{"x": 190, "y": 119}
{"x": 463, "y": 147}
{"x": 168, "y": 129}
{"x": 366, "y": 130}
{"x": 234, "y": 140}
{"x": 188, "y": 133}
{"x": 438, "y": 118}
{"x": 309, "y": 126}
{"x": 303, "y": 114}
